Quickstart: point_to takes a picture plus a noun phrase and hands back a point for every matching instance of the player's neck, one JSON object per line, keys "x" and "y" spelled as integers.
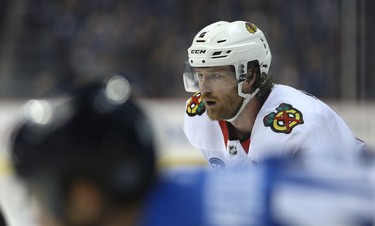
{"x": 245, "y": 121}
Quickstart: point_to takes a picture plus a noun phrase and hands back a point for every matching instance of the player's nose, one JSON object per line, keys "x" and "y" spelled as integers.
{"x": 205, "y": 85}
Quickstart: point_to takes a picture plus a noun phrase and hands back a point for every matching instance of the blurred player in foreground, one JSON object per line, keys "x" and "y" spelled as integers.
{"x": 89, "y": 160}
{"x": 239, "y": 116}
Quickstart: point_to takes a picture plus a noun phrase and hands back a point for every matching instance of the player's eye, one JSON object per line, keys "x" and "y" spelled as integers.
{"x": 217, "y": 76}
{"x": 199, "y": 76}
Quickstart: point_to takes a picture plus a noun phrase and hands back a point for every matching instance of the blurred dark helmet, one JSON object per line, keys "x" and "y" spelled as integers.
{"x": 94, "y": 131}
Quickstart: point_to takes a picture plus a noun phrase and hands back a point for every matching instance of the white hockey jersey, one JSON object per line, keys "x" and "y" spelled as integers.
{"x": 289, "y": 122}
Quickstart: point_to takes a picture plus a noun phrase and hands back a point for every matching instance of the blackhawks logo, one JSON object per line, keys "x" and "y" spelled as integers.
{"x": 195, "y": 106}
{"x": 284, "y": 119}
{"x": 251, "y": 27}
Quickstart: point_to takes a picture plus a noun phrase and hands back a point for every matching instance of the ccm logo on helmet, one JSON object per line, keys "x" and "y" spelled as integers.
{"x": 197, "y": 51}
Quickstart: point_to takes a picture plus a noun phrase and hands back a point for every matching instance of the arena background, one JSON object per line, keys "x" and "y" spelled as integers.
{"x": 323, "y": 47}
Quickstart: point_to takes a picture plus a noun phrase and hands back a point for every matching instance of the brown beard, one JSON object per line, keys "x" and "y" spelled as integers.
{"x": 226, "y": 106}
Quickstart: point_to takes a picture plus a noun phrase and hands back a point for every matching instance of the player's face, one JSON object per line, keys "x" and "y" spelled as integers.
{"x": 218, "y": 86}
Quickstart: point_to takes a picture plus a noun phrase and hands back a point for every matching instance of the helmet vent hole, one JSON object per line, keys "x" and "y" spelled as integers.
{"x": 202, "y": 35}
{"x": 216, "y": 53}
{"x": 203, "y": 61}
{"x": 191, "y": 61}
{"x": 220, "y": 41}
{"x": 201, "y": 40}
{"x": 261, "y": 40}
{"x": 229, "y": 51}
{"x": 265, "y": 46}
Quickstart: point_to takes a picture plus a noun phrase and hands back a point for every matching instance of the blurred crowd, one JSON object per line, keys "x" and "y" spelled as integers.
{"x": 47, "y": 43}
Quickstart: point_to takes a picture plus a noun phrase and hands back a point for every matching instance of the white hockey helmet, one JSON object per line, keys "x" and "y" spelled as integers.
{"x": 223, "y": 43}
{"x": 228, "y": 43}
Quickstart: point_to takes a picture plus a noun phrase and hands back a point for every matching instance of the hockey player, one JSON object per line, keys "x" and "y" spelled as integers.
{"x": 89, "y": 160}
{"x": 238, "y": 115}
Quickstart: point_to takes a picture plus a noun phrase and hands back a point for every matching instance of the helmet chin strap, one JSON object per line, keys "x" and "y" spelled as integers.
{"x": 247, "y": 98}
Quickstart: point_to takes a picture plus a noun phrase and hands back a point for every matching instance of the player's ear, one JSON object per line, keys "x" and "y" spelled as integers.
{"x": 251, "y": 73}
{"x": 250, "y": 78}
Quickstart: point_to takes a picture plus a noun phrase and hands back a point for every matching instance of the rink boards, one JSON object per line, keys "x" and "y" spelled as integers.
{"x": 167, "y": 120}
